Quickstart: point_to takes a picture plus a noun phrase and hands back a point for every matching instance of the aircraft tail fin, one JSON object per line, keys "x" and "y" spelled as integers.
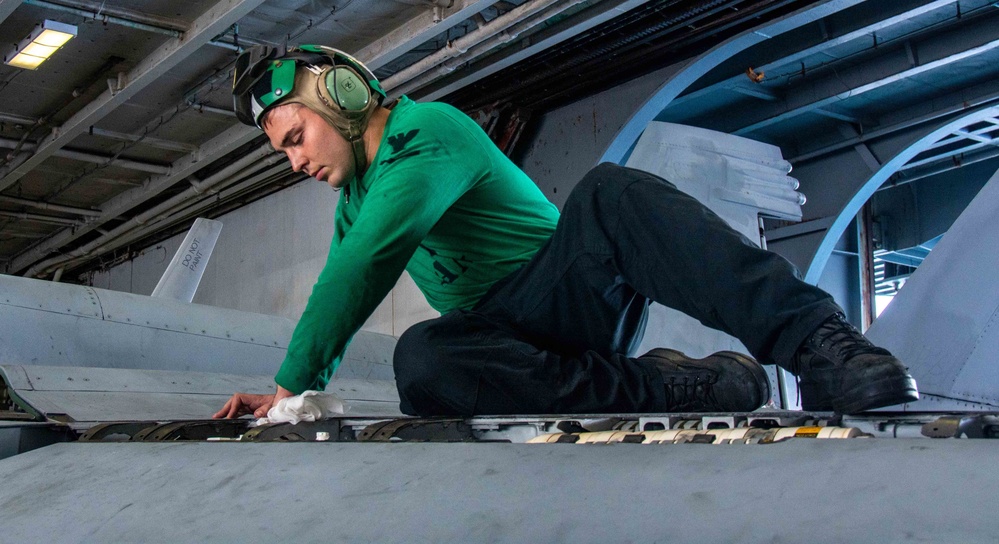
{"x": 183, "y": 274}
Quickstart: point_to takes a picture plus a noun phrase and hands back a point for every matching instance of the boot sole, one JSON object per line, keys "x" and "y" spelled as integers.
{"x": 884, "y": 392}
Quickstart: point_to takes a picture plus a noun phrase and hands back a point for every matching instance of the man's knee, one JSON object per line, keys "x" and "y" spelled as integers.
{"x": 414, "y": 360}
{"x": 434, "y": 372}
{"x": 601, "y": 188}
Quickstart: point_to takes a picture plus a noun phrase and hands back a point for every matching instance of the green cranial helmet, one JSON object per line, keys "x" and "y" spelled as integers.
{"x": 329, "y": 82}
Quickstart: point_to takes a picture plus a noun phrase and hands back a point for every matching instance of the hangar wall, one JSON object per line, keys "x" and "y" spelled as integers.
{"x": 570, "y": 140}
{"x": 266, "y": 260}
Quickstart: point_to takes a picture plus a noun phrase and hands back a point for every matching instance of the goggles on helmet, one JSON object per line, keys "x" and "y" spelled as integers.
{"x": 264, "y": 75}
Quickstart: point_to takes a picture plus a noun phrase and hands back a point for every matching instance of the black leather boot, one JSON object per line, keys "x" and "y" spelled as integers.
{"x": 723, "y": 382}
{"x": 838, "y": 369}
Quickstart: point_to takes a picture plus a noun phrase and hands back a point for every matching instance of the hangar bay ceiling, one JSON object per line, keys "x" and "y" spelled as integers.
{"x": 127, "y": 133}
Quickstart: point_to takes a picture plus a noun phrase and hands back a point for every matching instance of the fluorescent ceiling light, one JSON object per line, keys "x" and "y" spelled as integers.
{"x": 44, "y": 40}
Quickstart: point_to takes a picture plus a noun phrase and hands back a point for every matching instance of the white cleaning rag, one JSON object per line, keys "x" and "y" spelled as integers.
{"x": 309, "y": 406}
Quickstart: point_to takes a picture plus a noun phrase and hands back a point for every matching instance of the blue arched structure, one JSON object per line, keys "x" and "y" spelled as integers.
{"x": 853, "y": 206}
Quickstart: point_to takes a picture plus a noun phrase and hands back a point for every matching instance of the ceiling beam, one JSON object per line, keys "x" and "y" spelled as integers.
{"x": 833, "y": 113}
{"x": 460, "y": 47}
{"x": 930, "y": 170}
{"x": 558, "y": 32}
{"x": 963, "y": 134}
{"x": 898, "y": 120}
{"x": 211, "y": 23}
{"x": 144, "y": 139}
{"x": 863, "y": 32}
{"x": 891, "y": 67}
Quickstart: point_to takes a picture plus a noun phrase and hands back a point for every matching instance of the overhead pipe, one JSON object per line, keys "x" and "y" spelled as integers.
{"x": 123, "y": 163}
{"x": 31, "y": 236}
{"x": 140, "y": 196}
{"x": 212, "y": 196}
{"x": 18, "y": 119}
{"x": 145, "y": 140}
{"x": 113, "y": 240}
{"x": 209, "y": 109}
{"x": 608, "y": 14}
{"x": 102, "y": 7}
{"x": 41, "y": 218}
{"x": 92, "y": 157}
{"x": 52, "y": 207}
{"x": 462, "y": 44}
{"x": 137, "y": 221}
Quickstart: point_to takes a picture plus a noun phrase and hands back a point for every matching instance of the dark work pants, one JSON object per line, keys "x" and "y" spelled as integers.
{"x": 559, "y": 334}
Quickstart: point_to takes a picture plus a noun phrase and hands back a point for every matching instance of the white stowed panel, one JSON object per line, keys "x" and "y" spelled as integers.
{"x": 737, "y": 178}
{"x": 183, "y": 274}
{"x": 944, "y": 324}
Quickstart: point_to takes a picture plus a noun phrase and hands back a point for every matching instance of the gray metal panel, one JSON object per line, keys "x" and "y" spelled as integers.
{"x": 860, "y": 490}
{"x": 103, "y": 394}
{"x": 68, "y": 325}
{"x": 944, "y": 324}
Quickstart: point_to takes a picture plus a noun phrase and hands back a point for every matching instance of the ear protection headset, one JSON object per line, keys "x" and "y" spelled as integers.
{"x": 328, "y": 81}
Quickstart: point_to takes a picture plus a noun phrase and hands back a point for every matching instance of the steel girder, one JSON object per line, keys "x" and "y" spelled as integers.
{"x": 886, "y": 69}
{"x": 561, "y": 31}
{"x": 738, "y": 83}
{"x": 417, "y": 31}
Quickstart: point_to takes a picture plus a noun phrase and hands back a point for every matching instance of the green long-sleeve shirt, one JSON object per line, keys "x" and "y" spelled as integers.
{"x": 439, "y": 200}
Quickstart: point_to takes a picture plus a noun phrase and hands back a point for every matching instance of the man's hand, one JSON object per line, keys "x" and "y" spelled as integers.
{"x": 246, "y": 403}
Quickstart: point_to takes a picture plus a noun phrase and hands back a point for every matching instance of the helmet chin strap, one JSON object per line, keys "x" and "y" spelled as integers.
{"x": 350, "y": 124}
{"x": 356, "y": 139}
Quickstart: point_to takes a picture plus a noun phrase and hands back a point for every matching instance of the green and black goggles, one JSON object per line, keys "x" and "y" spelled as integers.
{"x": 264, "y": 75}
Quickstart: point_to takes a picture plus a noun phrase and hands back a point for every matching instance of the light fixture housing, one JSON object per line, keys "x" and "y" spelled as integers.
{"x": 45, "y": 39}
